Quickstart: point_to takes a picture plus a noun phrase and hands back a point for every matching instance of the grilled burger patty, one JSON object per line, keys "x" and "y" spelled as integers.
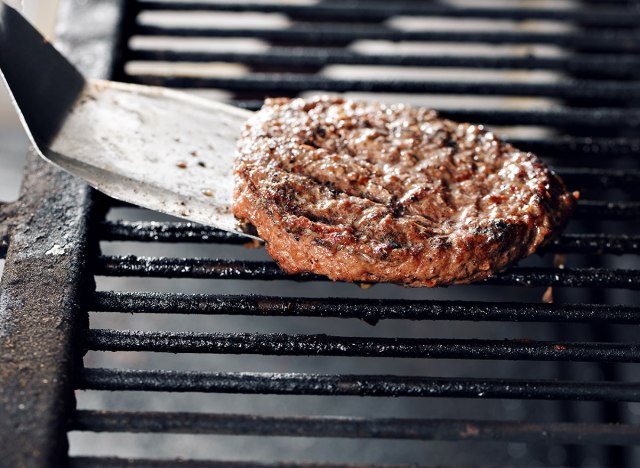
{"x": 362, "y": 191}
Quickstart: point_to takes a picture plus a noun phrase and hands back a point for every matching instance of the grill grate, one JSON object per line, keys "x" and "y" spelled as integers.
{"x": 581, "y": 349}
{"x": 606, "y": 67}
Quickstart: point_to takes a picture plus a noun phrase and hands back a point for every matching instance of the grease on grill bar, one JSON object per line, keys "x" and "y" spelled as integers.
{"x": 373, "y": 309}
{"x": 280, "y": 344}
{"x": 132, "y": 265}
{"x": 360, "y": 385}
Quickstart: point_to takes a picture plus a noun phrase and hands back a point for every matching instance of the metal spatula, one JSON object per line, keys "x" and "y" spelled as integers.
{"x": 153, "y": 147}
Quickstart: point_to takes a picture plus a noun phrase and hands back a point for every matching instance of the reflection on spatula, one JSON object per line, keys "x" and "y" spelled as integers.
{"x": 153, "y": 147}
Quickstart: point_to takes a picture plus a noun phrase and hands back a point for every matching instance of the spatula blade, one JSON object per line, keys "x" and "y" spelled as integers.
{"x": 160, "y": 149}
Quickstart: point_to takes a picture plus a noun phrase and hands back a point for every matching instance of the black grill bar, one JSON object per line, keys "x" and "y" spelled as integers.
{"x": 131, "y": 265}
{"x": 288, "y": 83}
{"x": 602, "y": 65}
{"x": 601, "y": 118}
{"x": 153, "y": 231}
{"x": 607, "y": 210}
{"x": 279, "y": 344}
{"x": 388, "y": 428}
{"x": 606, "y": 178}
{"x": 620, "y": 118}
{"x": 334, "y": 34}
{"x": 357, "y": 11}
{"x": 353, "y": 385}
{"x": 584, "y": 146}
{"x": 167, "y": 231}
{"x": 371, "y": 309}
{"x": 594, "y": 244}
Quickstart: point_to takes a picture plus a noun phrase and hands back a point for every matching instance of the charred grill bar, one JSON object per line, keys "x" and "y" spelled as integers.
{"x": 44, "y": 325}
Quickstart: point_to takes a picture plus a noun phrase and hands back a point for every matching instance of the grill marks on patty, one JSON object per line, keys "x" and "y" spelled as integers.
{"x": 366, "y": 192}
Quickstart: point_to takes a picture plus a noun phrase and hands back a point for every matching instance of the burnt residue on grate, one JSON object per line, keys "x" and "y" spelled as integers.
{"x": 372, "y": 309}
{"x": 163, "y": 267}
{"x": 354, "y": 385}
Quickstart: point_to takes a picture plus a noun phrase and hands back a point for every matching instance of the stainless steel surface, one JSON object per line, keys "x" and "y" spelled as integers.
{"x": 149, "y": 146}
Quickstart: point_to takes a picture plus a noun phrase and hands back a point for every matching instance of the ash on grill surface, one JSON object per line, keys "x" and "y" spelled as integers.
{"x": 559, "y": 79}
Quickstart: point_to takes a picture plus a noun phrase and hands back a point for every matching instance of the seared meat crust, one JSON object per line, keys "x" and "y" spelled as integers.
{"x": 362, "y": 191}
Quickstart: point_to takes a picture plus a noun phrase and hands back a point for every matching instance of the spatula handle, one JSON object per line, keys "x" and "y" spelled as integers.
{"x": 42, "y": 83}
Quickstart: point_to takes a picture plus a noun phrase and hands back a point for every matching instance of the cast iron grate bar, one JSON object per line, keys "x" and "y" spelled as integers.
{"x": 601, "y": 65}
{"x": 154, "y": 267}
{"x": 267, "y": 83}
{"x": 353, "y": 385}
{"x": 562, "y": 117}
{"x": 576, "y": 177}
{"x": 154, "y": 231}
{"x": 357, "y": 11}
{"x": 594, "y": 244}
{"x": 602, "y": 117}
{"x": 370, "y": 309}
{"x": 602, "y": 147}
{"x": 610, "y": 41}
{"x": 280, "y": 344}
{"x": 604, "y": 210}
{"x": 349, "y": 427}
{"x": 181, "y": 231}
